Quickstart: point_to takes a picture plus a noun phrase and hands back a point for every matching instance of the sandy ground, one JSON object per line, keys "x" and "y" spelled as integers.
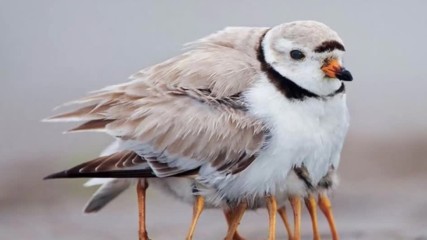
{"x": 378, "y": 198}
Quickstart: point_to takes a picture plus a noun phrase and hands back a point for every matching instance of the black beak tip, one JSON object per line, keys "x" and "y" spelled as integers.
{"x": 344, "y": 75}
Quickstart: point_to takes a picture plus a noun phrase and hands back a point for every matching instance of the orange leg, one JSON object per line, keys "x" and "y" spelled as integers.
{"x": 272, "y": 209}
{"x": 238, "y": 214}
{"x": 284, "y": 216}
{"x": 326, "y": 207}
{"x": 296, "y": 207}
{"x": 141, "y": 188}
{"x": 197, "y": 210}
{"x": 229, "y": 216}
{"x": 310, "y": 203}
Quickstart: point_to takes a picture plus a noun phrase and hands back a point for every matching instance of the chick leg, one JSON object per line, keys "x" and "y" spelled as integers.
{"x": 272, "y": 209}
{"x": 141, "y": 188}
{"x": 296, "y": 207}
{"x": 238, "y": 214}
{"x": 310, "y": 203}
{"x": 229, "y": 216}
{"x": 197, "y": 210}
{"x": 284, "y": 216}
{"x": 326, "y": 207}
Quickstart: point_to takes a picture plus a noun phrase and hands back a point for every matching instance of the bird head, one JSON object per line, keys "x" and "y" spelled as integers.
{"x": 309, "y": 54}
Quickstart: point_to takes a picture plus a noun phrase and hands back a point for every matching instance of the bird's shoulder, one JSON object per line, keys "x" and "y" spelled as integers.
{"x": 225, "y": 63}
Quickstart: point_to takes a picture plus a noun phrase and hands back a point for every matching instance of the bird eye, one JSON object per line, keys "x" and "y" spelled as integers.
{"x": 297, "y": 55}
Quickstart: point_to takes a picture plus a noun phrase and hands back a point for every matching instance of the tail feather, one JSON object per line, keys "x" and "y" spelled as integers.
{"x": 105, "y": 194}
{"x": 143, "y": 173}
{"x": 125, "y": 164}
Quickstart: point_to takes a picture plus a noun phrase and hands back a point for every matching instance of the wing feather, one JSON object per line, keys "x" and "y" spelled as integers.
{"x": 115, "y": 165}
{"x": 93, "y": 125}
{"x": 186, "y": 111}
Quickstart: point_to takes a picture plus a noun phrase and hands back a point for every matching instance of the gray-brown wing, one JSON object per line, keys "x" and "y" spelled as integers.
{"x": 185, "y": 112}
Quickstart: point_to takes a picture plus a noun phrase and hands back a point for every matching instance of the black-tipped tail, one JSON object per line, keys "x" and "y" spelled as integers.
{"x": 117, "y": 165}
{"x": 126, "y": 164}
{"x": 62, "y": 174}
{"x": 144, "y": 173}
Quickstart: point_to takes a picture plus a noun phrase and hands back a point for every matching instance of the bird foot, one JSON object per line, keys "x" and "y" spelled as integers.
{"x": 143, "y": 236}
{"x": 238, "y": 237}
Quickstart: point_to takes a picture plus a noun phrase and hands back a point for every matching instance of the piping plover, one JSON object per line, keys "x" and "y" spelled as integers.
{"x": 250, "y": 112}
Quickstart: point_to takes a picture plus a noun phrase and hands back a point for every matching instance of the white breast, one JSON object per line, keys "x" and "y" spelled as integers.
{"x": 309, "y": 132}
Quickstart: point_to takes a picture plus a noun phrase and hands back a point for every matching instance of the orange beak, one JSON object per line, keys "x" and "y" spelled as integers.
{"x": 333, "y": 69}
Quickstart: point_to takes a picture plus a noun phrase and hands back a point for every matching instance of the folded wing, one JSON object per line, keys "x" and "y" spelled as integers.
{"x": 180, "y": 114}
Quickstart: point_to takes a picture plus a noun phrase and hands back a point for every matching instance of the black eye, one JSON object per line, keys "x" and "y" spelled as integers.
{"x": 297, "y": 55}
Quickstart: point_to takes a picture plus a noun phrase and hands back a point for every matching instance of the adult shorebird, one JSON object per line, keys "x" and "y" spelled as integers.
{"x": 250, "y": 112}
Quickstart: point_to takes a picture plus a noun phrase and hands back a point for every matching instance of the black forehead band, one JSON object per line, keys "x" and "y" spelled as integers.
{"x": 329, "y": 46}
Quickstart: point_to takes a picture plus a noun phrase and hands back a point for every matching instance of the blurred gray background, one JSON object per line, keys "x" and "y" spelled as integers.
{"x": 53, "y": 51}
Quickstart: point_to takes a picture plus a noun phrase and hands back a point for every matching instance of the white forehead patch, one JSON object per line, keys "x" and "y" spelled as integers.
{"x": 282, "y": 45}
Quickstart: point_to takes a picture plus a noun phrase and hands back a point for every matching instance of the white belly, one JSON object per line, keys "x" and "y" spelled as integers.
{"x": 309, "y": 132}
